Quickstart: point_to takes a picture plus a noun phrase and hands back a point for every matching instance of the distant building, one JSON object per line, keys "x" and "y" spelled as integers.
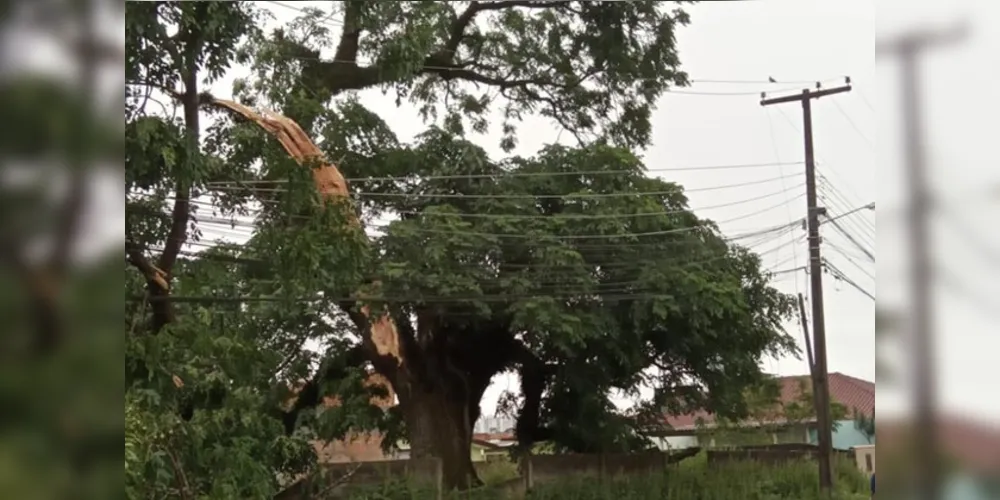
{"x": 856, "y": 395}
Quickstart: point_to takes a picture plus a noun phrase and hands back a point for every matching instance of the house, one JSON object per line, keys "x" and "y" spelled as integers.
{"x": 855, "y": 395}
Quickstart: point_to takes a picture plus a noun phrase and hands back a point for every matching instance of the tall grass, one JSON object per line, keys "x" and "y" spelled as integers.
{"x": 693, "y": 479}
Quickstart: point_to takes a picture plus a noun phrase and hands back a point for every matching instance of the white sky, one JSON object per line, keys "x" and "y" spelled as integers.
{"x": 796, "y": 41}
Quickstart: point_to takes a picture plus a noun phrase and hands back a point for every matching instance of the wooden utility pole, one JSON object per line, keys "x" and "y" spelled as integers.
{"x": 808, "y": 339}
{"x": 817, "y": 403}
{"x": 908, "y": 49}
{"x": 821, "y": 386}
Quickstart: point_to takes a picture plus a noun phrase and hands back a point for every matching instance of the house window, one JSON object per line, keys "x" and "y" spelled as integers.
{"x": 869, "y": 465}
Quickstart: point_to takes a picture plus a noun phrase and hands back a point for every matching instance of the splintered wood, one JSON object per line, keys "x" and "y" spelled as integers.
{"x": 331, "y": 185}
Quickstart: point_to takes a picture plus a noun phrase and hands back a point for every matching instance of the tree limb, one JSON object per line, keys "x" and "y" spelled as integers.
{"x": 534, "y": 374}
{"x": 350, "y": 37}
{"x": 181, "y": 213}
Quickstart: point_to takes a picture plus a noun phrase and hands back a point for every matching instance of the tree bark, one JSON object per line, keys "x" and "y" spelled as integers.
{"x": 437, "y": 424}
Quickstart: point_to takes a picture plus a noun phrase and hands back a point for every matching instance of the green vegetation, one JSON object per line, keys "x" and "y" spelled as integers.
{"x": 691, "y": 480}
{"x": 570, "y": 266}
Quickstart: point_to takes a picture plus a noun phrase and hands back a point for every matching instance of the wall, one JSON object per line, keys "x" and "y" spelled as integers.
{"x": 675, "y": 442}
{"x": 865, "y": 456}
{"x": 846, "y": 436}
{"x": 541, "y": 468}
{"x": 771, "y": 454}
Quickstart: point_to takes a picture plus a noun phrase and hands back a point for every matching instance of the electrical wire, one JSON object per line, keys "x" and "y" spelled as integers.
{"x": 520, "y": 196}
{"x": 617, "y": 287}
{"x": 864, "y": 99}
{"x": 847, "y": 234}
{"x": 829, "y": 191}
{"x": 870, "y": 206}
{"x": 841, "y": 276}
{"x": 419, "y": 177}
{"x": 820, "y": 164}
{"x": 777, "y": 157}
{"x": 528, "y": 235}
{"x": 850, "y": 259}
{"x": 871, "y": 145}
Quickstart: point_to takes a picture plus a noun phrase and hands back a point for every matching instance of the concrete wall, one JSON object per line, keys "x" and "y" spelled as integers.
{"x": 846, "y": 436}
{"x": 864, "y": 456}
{"x": 675, "y": 442}
{"x": 542, "y": 468}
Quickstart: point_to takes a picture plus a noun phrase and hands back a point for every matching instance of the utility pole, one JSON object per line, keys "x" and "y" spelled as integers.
{"x": 821, "y": 386}
{"x": 908, "y": 49}
{"x": 817, "y": 403}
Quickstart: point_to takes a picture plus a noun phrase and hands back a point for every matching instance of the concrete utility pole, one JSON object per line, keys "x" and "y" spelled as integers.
{"x": 908, "y": 49}
{"x": 821, "y": 386}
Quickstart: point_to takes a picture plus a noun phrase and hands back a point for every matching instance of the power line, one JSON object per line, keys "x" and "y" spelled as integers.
{"x": 561, "y": 217}
{"x": 851, "y": 260}
{"x": 766, "y": 82}
{"x": 866, "y": 101}
{"x": 605, "y": 287}
{"x": 525, "y": 235}
{"x": 777, "y": 157}
{"x": 582, "y": 267}
{"x": 840, "y": 275}
{"x": 773, "y": 232}
{"x": 821, "y": 161}
{"x": 870, "y": 206}
{"x": 833, "y": 195}
{"x": 584, "y": 296}
{"x": 852, "y": 239}
{"x": 854, "y": 125}
{"x": 501, "y": 196}
{"x": 501, "y": 175}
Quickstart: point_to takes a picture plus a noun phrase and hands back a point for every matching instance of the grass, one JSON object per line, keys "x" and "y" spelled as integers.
{"x": 694, "y": 480}
{"x": 690, "y": 480}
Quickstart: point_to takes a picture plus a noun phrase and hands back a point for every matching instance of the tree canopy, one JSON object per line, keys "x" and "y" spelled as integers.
{"x": 570, "y": 266}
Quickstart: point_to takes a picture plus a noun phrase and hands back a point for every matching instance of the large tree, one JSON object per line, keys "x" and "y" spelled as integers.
{"x": 570, "y": 267}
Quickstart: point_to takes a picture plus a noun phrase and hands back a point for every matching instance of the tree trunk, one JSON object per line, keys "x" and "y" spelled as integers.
{"x": 438, "y": 425}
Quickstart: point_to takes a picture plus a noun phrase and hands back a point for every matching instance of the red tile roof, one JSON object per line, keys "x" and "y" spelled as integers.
{"x": 851, "y": 392}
